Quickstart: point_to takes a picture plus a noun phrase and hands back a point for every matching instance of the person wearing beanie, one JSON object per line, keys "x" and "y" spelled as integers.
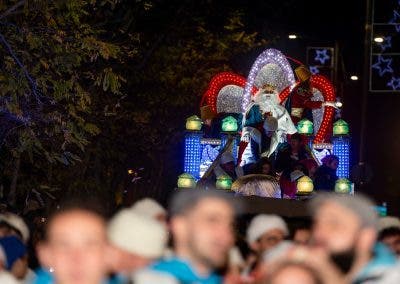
{"x": 150, "y": 208}
{"x": 346, "y": 228}
{"x": 265, "y": 232}
{"x": 15, "y": 256}
{"x": 389, "y": 233}
{"x": 16, "y": 226}
{"x": 136, "y": 240}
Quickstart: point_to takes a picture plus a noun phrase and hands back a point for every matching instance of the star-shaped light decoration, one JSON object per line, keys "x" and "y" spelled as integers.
{"x": 394, "y": 83}
{"x": 322, "y": 56}
{"x": 387, "y": 43}
{"x": 395, "y": 20}
{"x": 383, "y": 65}
{"x": 314, "y": 70}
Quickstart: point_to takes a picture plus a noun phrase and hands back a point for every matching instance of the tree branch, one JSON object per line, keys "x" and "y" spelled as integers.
{"x": 12, "y": 9}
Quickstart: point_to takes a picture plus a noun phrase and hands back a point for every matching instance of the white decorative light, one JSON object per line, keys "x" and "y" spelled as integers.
{"x": 268, "y": 56}
{"x": 378, "y": 39}
{"x": 292, "y": 36}
{"x": 354, "y": 78}
{"x": 321, "y": 146}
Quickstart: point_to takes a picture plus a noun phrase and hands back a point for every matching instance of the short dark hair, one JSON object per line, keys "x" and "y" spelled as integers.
{"x": 388, "y": 232}
{"x": 185, "y": 200}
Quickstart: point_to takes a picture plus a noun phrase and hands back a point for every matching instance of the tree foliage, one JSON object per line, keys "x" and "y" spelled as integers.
{"x": 106, "y": 85}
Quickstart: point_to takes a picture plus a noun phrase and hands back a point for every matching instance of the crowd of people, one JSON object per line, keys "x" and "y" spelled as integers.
{"x": 198, "y": 240}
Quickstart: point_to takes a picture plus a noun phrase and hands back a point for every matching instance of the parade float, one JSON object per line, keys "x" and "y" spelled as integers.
{"x": 276, "y": 99}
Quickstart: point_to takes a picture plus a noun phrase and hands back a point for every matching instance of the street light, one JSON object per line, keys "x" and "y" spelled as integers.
{"x": 354, "y": 78}
{"x": 292, "y": 36}
{"x": 378, "y": 39}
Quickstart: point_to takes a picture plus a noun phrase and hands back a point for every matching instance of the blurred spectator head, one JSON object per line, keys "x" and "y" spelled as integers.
{"x": 136, "y": 240}
{"x": 14, "y": 225}
{"x": 331, "y": 161}
{"x": 388, "y": 222}
{"x": 265, "y": 232}
{"x": 75, "y": 246}
{"x": 295, "y": 141}
{"x": 340, "y": 223}
{"x": 302, "y": 234}
{"x": 291, "y": 272}
{"x": 265, "y": 166}
{"x": 151, "y": 208}
{"x": 202, "y": 225}
{"x": 391, "y": 237}
{"x": 14, "y": 255}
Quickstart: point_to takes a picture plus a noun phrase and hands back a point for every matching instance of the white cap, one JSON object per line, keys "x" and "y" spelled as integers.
{"x": 137, "y": 234}
{"x": 388, "y": 222}
{"x": 270, "y": 124}
{"x": 148, "y": 207}
{"x": 263, "y": 223}
{"x": 226, "y": 157}
{"x": 17, "y": 223}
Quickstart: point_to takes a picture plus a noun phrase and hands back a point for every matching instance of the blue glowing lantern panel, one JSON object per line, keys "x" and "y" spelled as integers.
{"x": 341, "y": 148}
{"x": 193, "y": 154}
{"x": 209, "y": 153}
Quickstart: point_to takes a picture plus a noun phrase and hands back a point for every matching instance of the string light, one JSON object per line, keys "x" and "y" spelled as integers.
{"x": 268, "y": 56}
{"x": 193, "y": 153}
{"x": 217, "y": 83}
{"x": 322, "y": 84}
{"x": 341, "y": 148}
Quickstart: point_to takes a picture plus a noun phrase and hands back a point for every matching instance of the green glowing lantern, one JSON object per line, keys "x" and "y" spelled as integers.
{"x": 224, "y": 182}
{"x": 305, "y": 127}
{"x": 343, "y": 185}
{"x": 193, "y": 123}
{"x": 229, "y": 124}
{"x": 304, "y": 186}
{"x": 340, "y": 127}
{"x": 186, "y": 181}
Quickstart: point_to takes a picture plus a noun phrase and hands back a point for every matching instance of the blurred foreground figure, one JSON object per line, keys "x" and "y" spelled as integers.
{"x": 13, "y": 260}
{"x": 346, "y": 228}
{"x": 264, "y": 233}
{"x": 136, "y": 241}
{"x": 389, "y": 233}
{"x": 292, "y": 272}
{"x": 202, "y": 228}
{"x": 75, "y": 248}
{"x": 150, "y": 208}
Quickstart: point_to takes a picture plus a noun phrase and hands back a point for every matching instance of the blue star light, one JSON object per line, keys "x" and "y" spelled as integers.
{"x": 387, "y": 43}
{"x": 395, "y": 20}
{"x": 314, "y": 70}
{"x": 386, "y": 63}
{"x": 394, "y": 83}
{"x": 322, "y": 56}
